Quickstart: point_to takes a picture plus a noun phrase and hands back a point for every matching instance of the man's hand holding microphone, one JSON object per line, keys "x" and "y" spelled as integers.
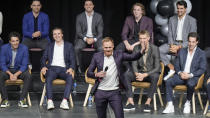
{"x": 101, "y": 74}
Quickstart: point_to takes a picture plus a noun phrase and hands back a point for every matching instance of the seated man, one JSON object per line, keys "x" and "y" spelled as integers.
{"x": 14, "y": 64}
{"x": 208, "y": 92}
{"x": 35, "y": 27}
{"x": 89, "y": 31}
{"x": 144, "y": 69}
{"x": 58, "y": 62}
{"x": 207, "y": 78}
{"x": 179, "y": 27}
{"x": 190, "y": 64}
{"x": 133, "y": 25}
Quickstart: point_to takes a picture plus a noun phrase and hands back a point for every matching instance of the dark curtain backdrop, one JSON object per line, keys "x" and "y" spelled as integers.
{"x": 62, "y": 13}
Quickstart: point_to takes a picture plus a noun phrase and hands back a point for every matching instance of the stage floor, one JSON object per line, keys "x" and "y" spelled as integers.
{"x": 78, "y": 111}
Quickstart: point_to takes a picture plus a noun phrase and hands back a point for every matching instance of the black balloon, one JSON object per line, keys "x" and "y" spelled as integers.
{"x": 160, "y": 39}
{"x": 165, "y": 8}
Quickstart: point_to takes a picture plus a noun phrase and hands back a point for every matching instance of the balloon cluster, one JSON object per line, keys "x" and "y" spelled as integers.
{"x": 163, "y": 9}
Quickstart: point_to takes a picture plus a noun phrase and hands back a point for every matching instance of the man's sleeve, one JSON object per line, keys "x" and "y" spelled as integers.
{"x": 45, "y": 31}
{"x": 100, "y": 28}
{"x": 24, "y": 64}
{"x": 170, "y": 39}
{"x": 25, "y": 27}
{"x": 125, "y": 30}
{"x": 79, "y": 34}
{"x": 92, "y": 67}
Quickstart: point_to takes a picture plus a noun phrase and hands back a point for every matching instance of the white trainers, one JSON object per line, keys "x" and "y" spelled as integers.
{"x": 64, "y": 104}
{"x": 187, "y": 107}
{"x": 169, "y": 109}
{"x": 5, "y": 103}
{"x": 50, "y": 105}
{"x": 22, "y": 103}
{"x": 170, "y": 74}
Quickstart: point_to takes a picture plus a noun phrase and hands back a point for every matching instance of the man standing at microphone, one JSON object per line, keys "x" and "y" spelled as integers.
{"x": 107, "y": 90}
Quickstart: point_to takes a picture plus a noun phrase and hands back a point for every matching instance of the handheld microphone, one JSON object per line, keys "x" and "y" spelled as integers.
{"x": 93, "y": 90}
{"x": 106, "y": 68}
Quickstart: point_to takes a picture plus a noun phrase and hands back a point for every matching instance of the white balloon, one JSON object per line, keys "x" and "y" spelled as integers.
{"x": 164, "y": 30}
{"x": 175, "y": 8}
{"x": 160, "y": 20}
{"x": 189, "y": 6}
{"x": 153, "y": 6}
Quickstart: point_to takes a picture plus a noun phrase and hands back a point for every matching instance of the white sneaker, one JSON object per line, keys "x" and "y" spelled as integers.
{"x": 50, "y": 105}
{"x": 5, "y": 103}
{"x": 64, "y": 104}
{"x": 169, "y": 109}
{"x": 22, "y": 103}
{"x": 170, "y": 74}
{"x": 187, "y": 107}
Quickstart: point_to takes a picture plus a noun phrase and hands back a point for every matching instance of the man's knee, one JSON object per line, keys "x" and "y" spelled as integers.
{"x": 208, "y": 85}
{"x": 155, "y": 76}
{"x": 128, "y": 76}
{"x": 49, "y": 80}
{"x": 69, "y": 79}
{"x": 77, "y": 48}
{"x": 190, "y": 85}
{"x": 169, "y": 82}
{"x": 27, "y": 74}
{"x": 164, "y": 48}
{"x": 120, "y": 46}
{"x": 99, "y": 49}
{"x": 49, "y": 77}
{"x": 3, "y": 75}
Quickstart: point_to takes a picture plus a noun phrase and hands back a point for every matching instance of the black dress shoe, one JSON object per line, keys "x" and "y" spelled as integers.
{"x": 129, "y": 107}
{"x": 147, "y": 108}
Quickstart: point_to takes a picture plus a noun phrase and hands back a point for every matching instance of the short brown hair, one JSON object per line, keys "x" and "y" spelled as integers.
{"x": 14, "y": 34}
{"x": 57, "y": 28}
{"x": 182, "y": 3}
{"x": 194, "y": 35}
{"x": 89, "y": 1}
{"x": 107, "y": 39}
{"x": 144, "y": 32}
{"x": 142, "y": 8}
{"x": 35, "y": 0}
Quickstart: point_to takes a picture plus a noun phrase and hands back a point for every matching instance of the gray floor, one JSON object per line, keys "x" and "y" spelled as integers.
{"x": 78, "y": 111}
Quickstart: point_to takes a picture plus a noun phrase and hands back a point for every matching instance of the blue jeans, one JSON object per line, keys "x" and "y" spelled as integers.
{"x": 103, "y": 98}
{"x": 176, "y": 80}
{"x": 58, "y": 72}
